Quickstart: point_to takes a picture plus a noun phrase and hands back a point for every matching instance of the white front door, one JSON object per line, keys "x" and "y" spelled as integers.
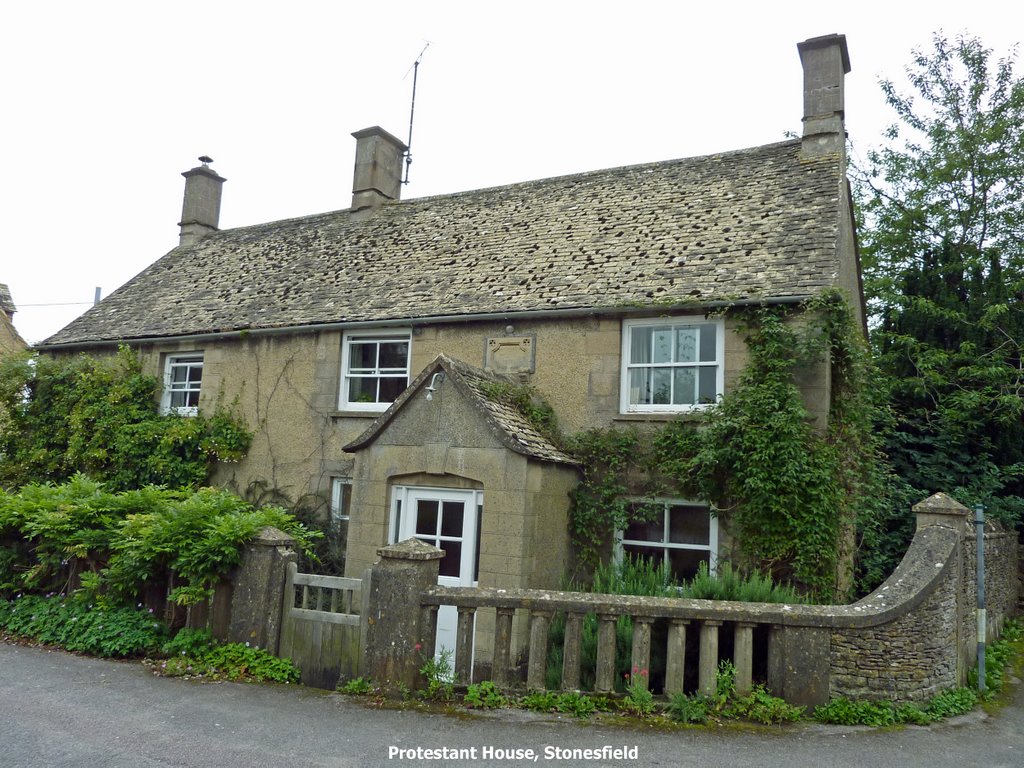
{"x": 449, "y": 519}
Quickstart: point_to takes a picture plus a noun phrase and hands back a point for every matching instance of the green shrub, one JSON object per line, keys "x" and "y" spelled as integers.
{"x": 129, "y": 539}
{"x": 688, "y": 709}
{"x": 358, "y": 686}
{"x": 195, "y": 653}
{"x": 484, "y": 695}
{"x": 84, "y": 628}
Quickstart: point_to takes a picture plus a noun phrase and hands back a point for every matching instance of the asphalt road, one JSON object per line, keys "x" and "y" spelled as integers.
{"x": 57, "y": 709}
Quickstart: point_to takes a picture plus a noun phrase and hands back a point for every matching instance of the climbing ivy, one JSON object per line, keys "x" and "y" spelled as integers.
{"x": 99, "y": 416}
{"x": 795, "y": 494}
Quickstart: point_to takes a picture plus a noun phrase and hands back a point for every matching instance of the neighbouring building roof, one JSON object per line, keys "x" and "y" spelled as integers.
{"x": 752, "y": 224}
{"x": 482, "y": 390}
{"x": 6, "y": 302}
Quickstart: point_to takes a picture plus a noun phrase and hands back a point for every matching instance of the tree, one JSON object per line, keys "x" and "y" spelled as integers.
{"x": 942, "y": 206}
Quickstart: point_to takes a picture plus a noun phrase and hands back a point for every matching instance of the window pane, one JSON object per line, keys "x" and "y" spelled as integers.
{"x": 426, "y": 517}
{"x": 662, "y": 386}
{"x": 194, "y": 374}
{"x": 686, "y": 339}
{"x": 648, "y": 531}
{"x": 640, "y": 345}
{"x": 179, "y": 373}
{"x": 394, "y": 354}
{"x": 451, "y": 563}
{"x": 685, "y": 382}
{"x": 662, "y": 345}
{"x": 192, "y": 398}
{"x": 362, "y": 390}
{"x": 683, "y": 562}
{"x": 708, "y": 385}
{"x": 178, "y": 399}
{"x": 708, "y": 343}
{"x": 390, "y": 388}
{"x": 451, "y": 518}
{"x": 640, "y": 386}
{"x": 362, "y": 356}
{"x": 689, "y": 525}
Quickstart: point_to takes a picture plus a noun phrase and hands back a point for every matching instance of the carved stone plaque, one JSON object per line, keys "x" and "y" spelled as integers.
{"x": 510, "y": 354}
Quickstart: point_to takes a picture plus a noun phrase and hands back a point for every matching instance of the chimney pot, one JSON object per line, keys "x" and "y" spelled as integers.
{"x": 826, "y": 61}
{"x": 378, "y": 169}
{"x": 200, "y": 210}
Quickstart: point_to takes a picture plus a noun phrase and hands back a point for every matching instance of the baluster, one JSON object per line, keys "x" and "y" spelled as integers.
{"x": 464, "y": 646}
{"x": 675, "y": 663}
{"x": 502, "y": 646}
{"x": 605, "y": 652}
{"x": 539, "y": 621}
{"x": 428, "y": 630}
{"x": 708, "y": 666}
{"x": 641, "y": 650}
{"x": 743, "y": 657}
{"x": 319, "y": 598}
{"x": 305, "y": 595}
{"x": 571, "y": 652}
{"x": 334, "y": 601}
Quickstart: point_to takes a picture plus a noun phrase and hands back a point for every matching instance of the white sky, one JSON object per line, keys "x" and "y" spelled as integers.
{"x": 105, "y": 103}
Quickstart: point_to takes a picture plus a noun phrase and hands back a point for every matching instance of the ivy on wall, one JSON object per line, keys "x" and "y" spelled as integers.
{"x": 99, "y": 416}
{"x": 794, "y": 495}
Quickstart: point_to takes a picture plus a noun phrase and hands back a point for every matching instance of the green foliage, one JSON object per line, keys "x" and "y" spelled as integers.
{"x": 195, "y": 653}
{"x": 688, "y": 709}
{"x": 99, "y": 416}
{"x": 599, "y": 503}
{"x": 358, "y": 686}
{"x": 484, "y": 695}
{"x": 526, "y": 400}
{"x": 119, "y": 542}
{"x": 77, "y": 626}
{"x": 637, "y": 576}
{"x": 728, "y": 583}
{"x": 440, "y": 676}
{"x": 792, "y": 493}
{"x": 943, "y": 208}
{"x": 639, "y": 701}
{"x": 569, "y": 702}
{"x": 759, "y": 705}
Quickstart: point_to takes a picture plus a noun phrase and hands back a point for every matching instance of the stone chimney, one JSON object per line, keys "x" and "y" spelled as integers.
{"x": 200, "y": 211}
{"x": 378, "y": 171}
{"x": 825, "y": 61}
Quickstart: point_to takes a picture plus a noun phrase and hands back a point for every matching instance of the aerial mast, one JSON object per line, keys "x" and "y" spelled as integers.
{"x": 412, "y": 111}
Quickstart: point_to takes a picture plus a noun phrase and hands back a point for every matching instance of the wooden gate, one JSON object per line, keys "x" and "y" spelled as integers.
{"x": 320, "y": 627}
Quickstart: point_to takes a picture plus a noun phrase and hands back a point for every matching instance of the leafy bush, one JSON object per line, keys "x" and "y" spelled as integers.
{"x": 123, "y": 541}
{"x": 357, "y": 686}
{"x": 195, "y": 653}
{"x": 440, "y": 676}
{"x": 570, "y": 702}
{"x": 484, "y": 695}
{"x": 81, "y": 627}
{"x": 688, "y": 709}
{"x": 99, "y": 416}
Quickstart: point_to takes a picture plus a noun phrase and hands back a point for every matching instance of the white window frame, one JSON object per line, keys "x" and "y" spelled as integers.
{"x": 665, "y": 545}
{"x": 181, "y": 360}
{"x": 378, "y": 336}
{"x": 339, "y": 510}
{"x": 629, "y": 325}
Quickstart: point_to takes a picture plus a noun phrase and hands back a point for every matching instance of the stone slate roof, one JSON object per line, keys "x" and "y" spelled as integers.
{"x": 507, "y": 423}
{"x": 752, "y": 224}
{"x": 6, "y": 302}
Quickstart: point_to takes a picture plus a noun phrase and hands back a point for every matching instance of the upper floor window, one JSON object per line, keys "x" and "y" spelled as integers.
{"x": 671, "y": 365}
{"x": 679, "y": 533}
{"x": 183, "y": 378}
{"x": 374, "y": 369}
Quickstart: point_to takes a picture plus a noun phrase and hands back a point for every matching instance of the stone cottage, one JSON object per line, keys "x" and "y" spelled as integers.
{"x": 364, "y": 346}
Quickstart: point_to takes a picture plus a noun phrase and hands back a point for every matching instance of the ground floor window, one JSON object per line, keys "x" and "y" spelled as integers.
{"x": 681, "y": 533}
